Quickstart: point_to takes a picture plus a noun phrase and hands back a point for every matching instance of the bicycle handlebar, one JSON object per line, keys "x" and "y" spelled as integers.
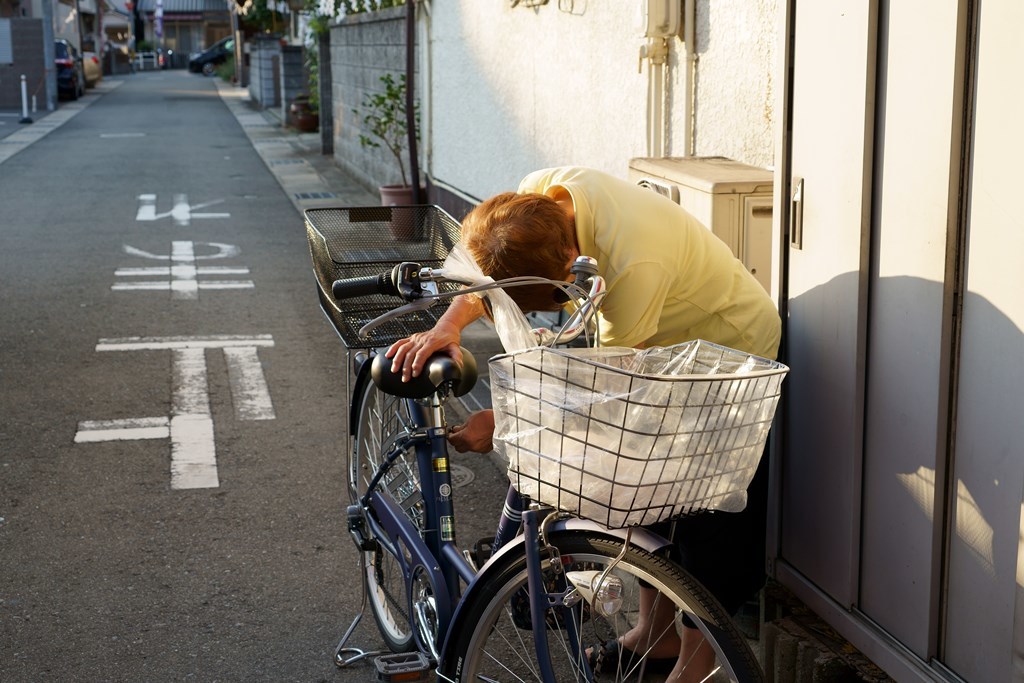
{"x": 418, "y": 287}
{"x": 364, "y": 286}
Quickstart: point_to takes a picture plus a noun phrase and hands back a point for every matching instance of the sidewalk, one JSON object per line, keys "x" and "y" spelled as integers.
{"x": 309, "y": 178}
{"x": 15, "y": 136}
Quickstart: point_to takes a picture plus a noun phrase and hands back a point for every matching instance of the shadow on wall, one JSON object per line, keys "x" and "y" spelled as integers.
{"x": 987, "y": 469}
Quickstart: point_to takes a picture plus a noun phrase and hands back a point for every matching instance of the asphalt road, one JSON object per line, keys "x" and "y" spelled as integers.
{"x": 171, "y": 439}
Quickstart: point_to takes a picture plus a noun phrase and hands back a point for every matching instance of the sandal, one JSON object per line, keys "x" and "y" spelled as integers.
{"x": 606, "y": 658}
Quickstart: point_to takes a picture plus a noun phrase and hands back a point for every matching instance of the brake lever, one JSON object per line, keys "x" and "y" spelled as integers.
{"x": 428, "y": 298}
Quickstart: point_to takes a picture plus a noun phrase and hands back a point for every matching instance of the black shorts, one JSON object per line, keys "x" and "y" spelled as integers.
{"x": 725, "y": 551}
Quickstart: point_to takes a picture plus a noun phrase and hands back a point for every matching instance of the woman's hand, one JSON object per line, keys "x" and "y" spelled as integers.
{"x": 409, "y": 355}
{"x": 475, "y": 434}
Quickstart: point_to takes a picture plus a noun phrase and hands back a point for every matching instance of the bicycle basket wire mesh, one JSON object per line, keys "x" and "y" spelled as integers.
{"x": 357, "y": 241}
{"x": 626, "y": 437}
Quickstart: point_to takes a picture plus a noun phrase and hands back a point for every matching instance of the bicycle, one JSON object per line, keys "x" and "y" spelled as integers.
{"x": 528, "y": 604}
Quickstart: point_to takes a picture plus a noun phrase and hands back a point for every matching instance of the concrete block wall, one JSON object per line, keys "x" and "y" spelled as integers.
{"x": 293, "y": 77}
{"x": 364, "y": 47}
{"x": 27, "y": 50}
{"x": 264, "y": 72}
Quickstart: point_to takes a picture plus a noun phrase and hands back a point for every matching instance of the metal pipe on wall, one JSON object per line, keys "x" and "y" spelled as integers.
{"x": 689, "y": 69}
{"x": 410, "y": 99}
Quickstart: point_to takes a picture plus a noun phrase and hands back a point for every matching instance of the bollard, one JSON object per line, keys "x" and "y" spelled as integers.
{"x": 24, "y": 101}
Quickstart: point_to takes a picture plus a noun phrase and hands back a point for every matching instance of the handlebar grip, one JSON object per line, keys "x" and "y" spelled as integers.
{"x": 364, "y": 286}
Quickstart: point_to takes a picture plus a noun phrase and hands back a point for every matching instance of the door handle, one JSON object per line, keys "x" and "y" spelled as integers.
{"x": 796, "y": 214}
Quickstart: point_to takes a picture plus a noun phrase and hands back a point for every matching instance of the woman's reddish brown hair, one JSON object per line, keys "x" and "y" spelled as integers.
{"x": 522, "y": 234}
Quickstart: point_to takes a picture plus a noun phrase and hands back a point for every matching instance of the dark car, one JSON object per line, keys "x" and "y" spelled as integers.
{"x": 207, "y": 61}
{"x": 70, "y": 76}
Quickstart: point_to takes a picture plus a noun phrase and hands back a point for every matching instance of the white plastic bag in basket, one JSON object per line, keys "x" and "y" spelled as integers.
{"x": 512, "y": 326}
{"x": 652, "y": 433}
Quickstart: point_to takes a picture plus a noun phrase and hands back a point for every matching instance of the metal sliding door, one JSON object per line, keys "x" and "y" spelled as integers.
{"x": 915, "y": 214}
{"x": 902, "y": 472}
{"x": 831, "y": 118}
{"x": 984, "y": 632}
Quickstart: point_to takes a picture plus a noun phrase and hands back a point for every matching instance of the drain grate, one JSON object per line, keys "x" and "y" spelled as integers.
{"x": 315, "y": 195}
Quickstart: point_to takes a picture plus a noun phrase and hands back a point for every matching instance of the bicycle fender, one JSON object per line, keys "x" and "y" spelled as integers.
{"x": 639, "y": 537}
{"x": 362, "y": 374}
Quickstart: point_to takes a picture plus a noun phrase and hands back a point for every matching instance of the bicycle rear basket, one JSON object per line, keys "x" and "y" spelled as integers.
{"x": 369, "y": 240}
{"x": 626, "y": 437}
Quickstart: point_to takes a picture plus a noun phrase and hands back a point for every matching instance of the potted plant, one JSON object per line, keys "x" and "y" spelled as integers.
{"x": 302, "y": 115}
{"x": 384, "y": 122}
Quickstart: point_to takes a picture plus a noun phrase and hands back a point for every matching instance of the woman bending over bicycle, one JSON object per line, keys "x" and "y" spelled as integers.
{"x": 670, "y": 280}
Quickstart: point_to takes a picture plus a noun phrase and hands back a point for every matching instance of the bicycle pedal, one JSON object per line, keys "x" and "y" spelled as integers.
{"x": 402, "y": 667}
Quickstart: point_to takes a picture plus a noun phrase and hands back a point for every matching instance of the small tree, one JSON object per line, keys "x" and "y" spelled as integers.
{"x": 384, "y": 117}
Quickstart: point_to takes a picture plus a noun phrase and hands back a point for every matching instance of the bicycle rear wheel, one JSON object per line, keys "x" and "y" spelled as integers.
{"x": 492, "y": 640}
{"x": 381, "y": 424}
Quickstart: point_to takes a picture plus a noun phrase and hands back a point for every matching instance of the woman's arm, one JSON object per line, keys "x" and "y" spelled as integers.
{"x": 411, "y": 354}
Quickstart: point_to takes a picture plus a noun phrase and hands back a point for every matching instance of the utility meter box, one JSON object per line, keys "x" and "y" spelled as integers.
{"x": 734, "y": 200}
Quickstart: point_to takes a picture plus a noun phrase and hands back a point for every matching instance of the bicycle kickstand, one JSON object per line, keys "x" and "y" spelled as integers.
{"x": 343, "y": 656}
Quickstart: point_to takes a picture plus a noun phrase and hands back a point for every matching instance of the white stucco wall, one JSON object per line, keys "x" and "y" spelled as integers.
{"x": 736, "y": 61}
{"x": 508, "y": 90}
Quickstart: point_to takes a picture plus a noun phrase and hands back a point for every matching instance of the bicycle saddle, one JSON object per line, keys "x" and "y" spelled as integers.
{"x": 439, "y": 369}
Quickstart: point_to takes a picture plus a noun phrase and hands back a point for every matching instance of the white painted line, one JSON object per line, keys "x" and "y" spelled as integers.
{"x": 147, "y": 208}
{"x": 223, "y": 251}
{"x": 184, "y": 272}
{"x": 189, "y": 386}
{"x": 164, "y": 286}
{"x": 203, "y": 342}
{"x": 227, "y": 284}
{"x": 163, "y": 270}
{"x": 168, "y": 286}
{"x": 193, "y": 450}
{"x": 193, "y": 454}
{"x": 248, "y": 384}
{"x": 91, "y": 431}
{"x": 190, "y": 426}
{"x": 181, "y": 211}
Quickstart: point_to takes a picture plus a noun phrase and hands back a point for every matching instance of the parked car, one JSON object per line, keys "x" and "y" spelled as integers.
{"x": 207, "y": 61}
{"x": 70, "y": 77}
{"x": 91, "y": 69}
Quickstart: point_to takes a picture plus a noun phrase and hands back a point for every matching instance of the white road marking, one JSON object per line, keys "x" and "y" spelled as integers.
{"x": 248, "y": 384}
{"x": 147, "y": 208}
{"x": 180, "y": 213}
{"x": 217, "y": 341}
{"x": 183, "y": 282}
{"x": 123, "y": 430}
{"x": 193, "y": 449}
{"x": 190, "y": 425}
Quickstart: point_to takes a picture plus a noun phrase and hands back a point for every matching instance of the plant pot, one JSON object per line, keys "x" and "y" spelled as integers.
{"x": 302, "y": 116}
{"x": 403, "y": 218}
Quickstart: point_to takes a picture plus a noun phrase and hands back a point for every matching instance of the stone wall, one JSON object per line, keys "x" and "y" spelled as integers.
{"x": 364, "y": 47}
{"x": 294, "y": 80}
{"x": 27, "y": 52}
{"x": 264, "y": 71}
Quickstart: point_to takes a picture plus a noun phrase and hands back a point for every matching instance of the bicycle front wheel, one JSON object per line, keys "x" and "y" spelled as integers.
{"x": 382, "y": 423}
{"x": 493, "y": 640}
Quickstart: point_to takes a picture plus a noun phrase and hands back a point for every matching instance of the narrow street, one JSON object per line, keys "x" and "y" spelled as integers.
{"x": 173, "y": 406}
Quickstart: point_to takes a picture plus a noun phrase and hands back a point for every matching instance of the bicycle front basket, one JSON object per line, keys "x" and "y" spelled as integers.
{"x": 627, "y": 437}
{"x": 368, "y": 240}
